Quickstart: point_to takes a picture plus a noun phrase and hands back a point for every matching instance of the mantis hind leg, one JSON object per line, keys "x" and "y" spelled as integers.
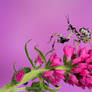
{"x": 77, "y": 43}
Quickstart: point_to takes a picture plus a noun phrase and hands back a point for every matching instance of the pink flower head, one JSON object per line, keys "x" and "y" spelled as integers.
{"x": 79, "y": 51}
{"x": 56, "y": 62}
{"x": 53, "y": 56}
{"x": 89, "y": 60}
{"x": 84, "y": 73}
{"x": 39, "y": 60}
{"x": 76, "y": 70}
{"x": 48, "y": 75}
{"x": 90, "y": 67}
{"x": 51, "y": 75}
{"x": 19, "y": 76}
{"x": 89, "y": 81}
{"x": 76, "y": 61}
{"x": 73, "y": 79}
{"x": 84, "y": 53}
{"x": 59, "y": 74}
{"x": 56, "y": 81}
{"x": 82, "y": 65}
{"x": 83, "y": 81}
{"x": 89, "y": 75}
{"x": 90, "y": 52}
{"x": 68, "y": 51}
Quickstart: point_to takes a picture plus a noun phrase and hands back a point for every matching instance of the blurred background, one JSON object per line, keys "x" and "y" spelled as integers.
{"x": 21, "y": 20}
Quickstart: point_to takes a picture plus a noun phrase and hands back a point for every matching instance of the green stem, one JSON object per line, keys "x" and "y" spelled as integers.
{"x": 8, "y": 88}
{"x": 21, "y": 89}
{"x": 29, "y": 76}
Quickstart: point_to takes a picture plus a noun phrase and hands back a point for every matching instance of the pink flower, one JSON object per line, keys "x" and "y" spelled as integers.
{"x": 89, "y": 60}
{"x": 76, "y": 61}
{"x": 89, "y": 80}
{"x": 68, "y": 51}
{"x": 48, "y": 75}
{"x": 82, "y": 65}
{"x": 83, "y": 81}
{"x": 89, "y": 75}
{"x": 53, "y": 56}
{"x": 73, "y": 79}
{"x": 90, "y": 67}
{"x": 81, "y": 85}
{"x": 56, "y": 81}
{"x": 79, "y": 51}
{"x": 84, "y": 53}
{"x": 56, "y": 62}
{"x": 90, "y": 52}
{"x": 89, "y": 86}
{"x": 19, "y": 76}
{"x": 89, "y": 83}
{"x": 59, "y": 74}
{"x": 84, "y": 73}
{"x": 76, "y": 70}
{"x": 39, "y": 60}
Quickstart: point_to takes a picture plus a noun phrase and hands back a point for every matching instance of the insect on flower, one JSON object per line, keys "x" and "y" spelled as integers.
{"x": 83, "y": 35}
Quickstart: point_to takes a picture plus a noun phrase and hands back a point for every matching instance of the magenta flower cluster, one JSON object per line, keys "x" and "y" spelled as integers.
{"x": 79, "y": 61}
{"x": 56, "y": 75}
{"x": 81, "y": 67}
{"x": 81, "y": 74}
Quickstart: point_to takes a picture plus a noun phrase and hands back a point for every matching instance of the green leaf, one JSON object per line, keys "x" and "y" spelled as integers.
{"x": 41, "y": 81}
{"x": 37, "y": 67}
{"x": 49, "y": 52}
{"x": 41, "y": 54}
{"x": 13, "y": 81}
{"x": 26, "y": 69}
{"x": 27, "y": 54}
{"x": 48, "y": 64}
{"x": 14, "y": 68}
{"x": 37, "y": 85}
{"x": 65, "y": 60}
{"x": 36, "y": 89}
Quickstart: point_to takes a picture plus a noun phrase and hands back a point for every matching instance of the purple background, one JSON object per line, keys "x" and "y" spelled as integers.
{"x": 21, "y": 20}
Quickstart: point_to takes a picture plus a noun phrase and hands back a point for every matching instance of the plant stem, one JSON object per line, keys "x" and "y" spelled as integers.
{"x": 27, "y": 77}
{"x": 21, "y": 89}
{"x": 8, "y": 88}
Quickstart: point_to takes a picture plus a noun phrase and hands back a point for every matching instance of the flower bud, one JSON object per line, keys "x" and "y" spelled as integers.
{"x": 68, "y": 51}
{"x": 39, "y": 60}
{"x": 19, "y": 76}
